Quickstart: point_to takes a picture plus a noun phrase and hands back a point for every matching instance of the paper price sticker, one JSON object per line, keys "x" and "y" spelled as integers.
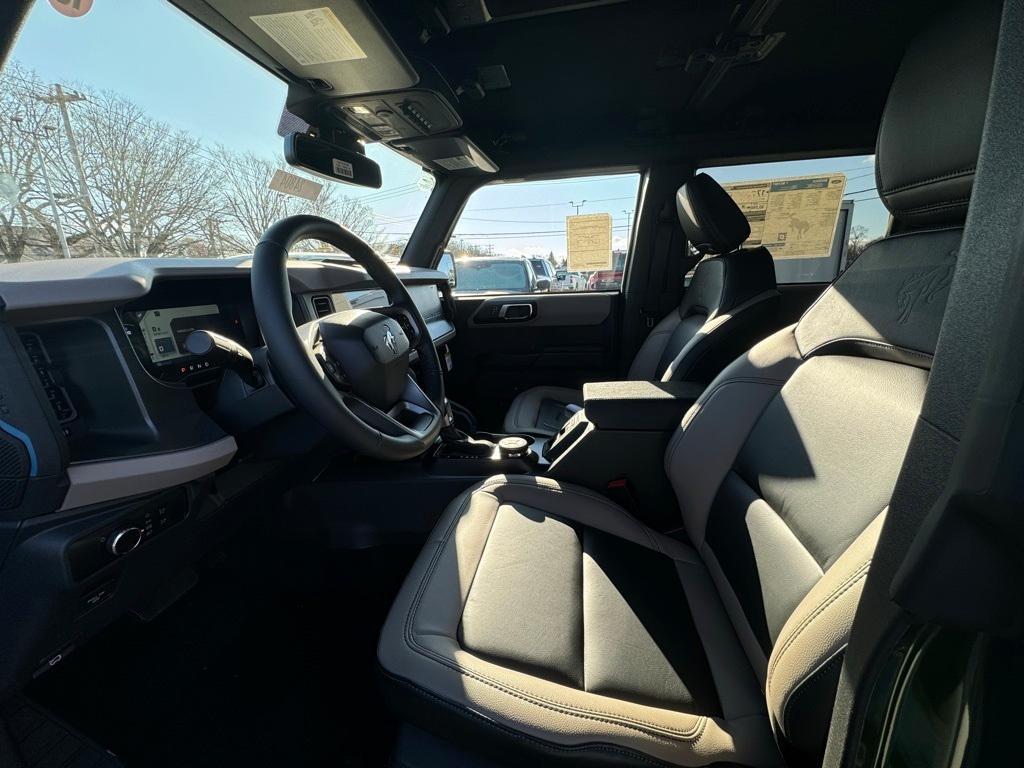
{"x": 589, "y": 242}
{"x": 794, "y": 217}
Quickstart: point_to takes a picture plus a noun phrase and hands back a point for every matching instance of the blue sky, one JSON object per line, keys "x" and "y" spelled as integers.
{"x": 179, "y": 73}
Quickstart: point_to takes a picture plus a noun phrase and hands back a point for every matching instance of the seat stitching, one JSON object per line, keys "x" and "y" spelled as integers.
{"x": 693, "y": 735}
{"x": 523, "y": 736}
{"x": 954, "y": 203}
{"x": 868, "y": 342}
{"x": 923, "y": 182}
{"x": 838, "y": 592}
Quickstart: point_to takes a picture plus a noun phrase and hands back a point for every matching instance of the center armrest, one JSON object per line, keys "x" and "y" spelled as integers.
{"x": 639, "y": 405}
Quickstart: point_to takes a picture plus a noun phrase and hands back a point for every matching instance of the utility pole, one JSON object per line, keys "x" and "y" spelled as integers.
{"x": 62, "y": 99}
{"x": 49, "y": 188}
{"x": 629, "y": 215}
{"x": 578, "y": 205}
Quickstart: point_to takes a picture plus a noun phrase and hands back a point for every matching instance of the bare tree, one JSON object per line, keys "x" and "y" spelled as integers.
{"x": 152, "y": 189}
{"x": 143, "y": 189}
{"x": 248, "y": 206}
{"x": 26, "y": 218}
{"x": 857, "y": 243}
{"x": 461, "y": 248}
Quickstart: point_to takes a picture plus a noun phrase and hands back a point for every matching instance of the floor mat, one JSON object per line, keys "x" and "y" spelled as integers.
{"x": 256, "y": 666}
{"x": 38, "y": 740}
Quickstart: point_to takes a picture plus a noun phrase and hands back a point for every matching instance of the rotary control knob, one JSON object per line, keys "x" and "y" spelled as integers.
{"x": 124, "y": 541}
{"x": 513, "y": 447}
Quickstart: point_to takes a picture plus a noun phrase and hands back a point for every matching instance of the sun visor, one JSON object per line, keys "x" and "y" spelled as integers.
{"x": 451, "y": 154}
{"x": 338, "y": 46}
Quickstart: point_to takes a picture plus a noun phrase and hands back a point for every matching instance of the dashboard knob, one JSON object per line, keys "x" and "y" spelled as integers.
{"x": 124, "y": 541}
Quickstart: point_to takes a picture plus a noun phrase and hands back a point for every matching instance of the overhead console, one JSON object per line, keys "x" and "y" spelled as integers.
{"x": 402, "y": 115}
{"x": 349, "y": 80}
{"x": 452, "y": 154}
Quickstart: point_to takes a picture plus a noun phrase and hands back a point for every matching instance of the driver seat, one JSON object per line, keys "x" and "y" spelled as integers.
{"x": 542, "y": 622}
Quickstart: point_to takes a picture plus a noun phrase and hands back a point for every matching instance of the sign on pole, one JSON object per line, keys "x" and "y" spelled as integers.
{"x": 73, "y": 8}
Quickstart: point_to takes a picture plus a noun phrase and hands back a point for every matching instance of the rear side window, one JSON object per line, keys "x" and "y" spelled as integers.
{"x": 551, "y": 236}
{"x": 815, "y": 216}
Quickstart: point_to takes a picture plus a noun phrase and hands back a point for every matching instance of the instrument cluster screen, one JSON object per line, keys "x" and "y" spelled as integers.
{"x": 165, "y": 330}
{"x": 158, "y": 337}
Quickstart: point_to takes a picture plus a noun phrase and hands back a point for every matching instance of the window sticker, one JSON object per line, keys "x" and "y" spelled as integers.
{"x": 793, "y": 217}
{"x": 589, "y": 241}
{"x": 311, "y": 37}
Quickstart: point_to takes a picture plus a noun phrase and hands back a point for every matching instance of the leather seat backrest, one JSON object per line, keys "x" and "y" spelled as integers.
{"x": 731, "y": 298}
{"x": 784, "y": 467}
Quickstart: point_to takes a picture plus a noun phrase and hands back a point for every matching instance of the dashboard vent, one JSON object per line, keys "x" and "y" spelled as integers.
{"x": 323, "y": 306}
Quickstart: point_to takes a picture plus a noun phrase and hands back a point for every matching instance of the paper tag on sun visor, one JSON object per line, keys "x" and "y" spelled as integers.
{"x": 457, "y": 163}
{"x": 296, "y": 186}
{"x": 341, "y": 168}
{"x": 311, "y": 37}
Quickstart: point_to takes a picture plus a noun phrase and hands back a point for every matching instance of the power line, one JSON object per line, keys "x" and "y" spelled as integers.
{"x": 545, "y": 205}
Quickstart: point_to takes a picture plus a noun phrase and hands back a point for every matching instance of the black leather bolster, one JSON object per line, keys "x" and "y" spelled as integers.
{"x": 639, "y": 405}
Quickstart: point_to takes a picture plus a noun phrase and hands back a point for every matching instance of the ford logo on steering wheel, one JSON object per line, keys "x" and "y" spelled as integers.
{"x": 389, "y": 340}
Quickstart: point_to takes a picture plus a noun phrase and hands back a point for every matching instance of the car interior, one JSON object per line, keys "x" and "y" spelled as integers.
{"x": 304, "y": 510}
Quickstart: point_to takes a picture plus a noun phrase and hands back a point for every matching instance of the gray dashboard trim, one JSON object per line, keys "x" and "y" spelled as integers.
{"x": 34, "y": 291}
{"x": 99, "y": 481}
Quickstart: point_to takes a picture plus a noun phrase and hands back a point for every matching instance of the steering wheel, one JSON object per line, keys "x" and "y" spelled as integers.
{"x": 350, "y": 370}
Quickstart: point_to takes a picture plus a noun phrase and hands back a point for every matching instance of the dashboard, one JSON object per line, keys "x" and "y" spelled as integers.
{"x": 123, "y": 458}
{"x": 105, "y": 341}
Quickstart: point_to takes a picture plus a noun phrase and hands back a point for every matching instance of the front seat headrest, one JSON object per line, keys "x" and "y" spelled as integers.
{"x": 712, "y": 221}
{"x": 930, "y": 133}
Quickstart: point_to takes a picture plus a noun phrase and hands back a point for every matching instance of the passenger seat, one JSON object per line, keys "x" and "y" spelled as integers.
{"x": 731, "y": 303}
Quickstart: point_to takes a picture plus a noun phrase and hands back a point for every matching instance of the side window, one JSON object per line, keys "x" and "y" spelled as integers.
{"x": 557, "y": 235}
{"x": 815, "y": 216}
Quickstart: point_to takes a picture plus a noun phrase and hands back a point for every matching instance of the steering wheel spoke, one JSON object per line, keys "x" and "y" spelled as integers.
{"x": 413, "y": 415}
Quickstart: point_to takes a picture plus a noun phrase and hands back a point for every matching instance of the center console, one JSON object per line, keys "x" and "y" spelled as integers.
{"x": 616, "y": 444}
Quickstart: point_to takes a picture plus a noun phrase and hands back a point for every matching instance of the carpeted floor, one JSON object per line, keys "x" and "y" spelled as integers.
{"x": 267, "y": 661}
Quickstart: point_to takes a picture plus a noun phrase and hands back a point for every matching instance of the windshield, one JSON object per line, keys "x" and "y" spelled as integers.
{"x": 492, "y": 275}
{"x": 131, "y": 131}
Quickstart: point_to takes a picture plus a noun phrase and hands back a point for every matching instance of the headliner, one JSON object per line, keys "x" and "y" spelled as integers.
{"x": 602, "y": 83}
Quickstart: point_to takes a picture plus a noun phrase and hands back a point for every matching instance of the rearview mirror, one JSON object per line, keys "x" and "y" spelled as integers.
{"x": 331, "y": 161}
{"x": 543, "y": 284}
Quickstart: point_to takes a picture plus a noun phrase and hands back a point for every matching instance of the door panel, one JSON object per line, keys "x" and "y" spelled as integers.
{"x": 502, "y": 349}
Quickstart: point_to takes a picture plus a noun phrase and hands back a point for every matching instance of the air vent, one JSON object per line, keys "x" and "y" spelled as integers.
{"x": 323, "y": 306}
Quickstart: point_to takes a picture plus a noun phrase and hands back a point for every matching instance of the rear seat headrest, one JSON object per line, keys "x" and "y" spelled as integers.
{"x": 930, "y": 133}
{"x": 712, "y": 221}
